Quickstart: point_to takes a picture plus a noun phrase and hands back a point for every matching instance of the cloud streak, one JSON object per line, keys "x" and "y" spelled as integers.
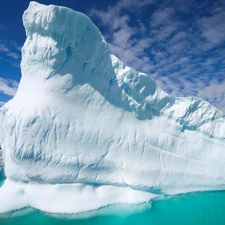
{"x": 8, "y": 87}
{"x": 10, "y": 52}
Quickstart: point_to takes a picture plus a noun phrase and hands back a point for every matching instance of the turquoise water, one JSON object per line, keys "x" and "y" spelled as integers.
{"x": 206, "y": 208}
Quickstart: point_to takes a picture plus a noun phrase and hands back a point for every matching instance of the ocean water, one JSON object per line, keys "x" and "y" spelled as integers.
{"x": 203, "y": 208}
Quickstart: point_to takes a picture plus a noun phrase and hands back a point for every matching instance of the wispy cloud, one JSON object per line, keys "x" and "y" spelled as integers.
{"x": 10, "y": 52}
{"x": 8, "y": 87}
{"x": 123, "y": 40}
{"x": 213, "y": 26}
{"x": 4, "y": 48}
{"x": 13, "y": 55}
{"x": 181, "y": 47}
{"x": 162, "y": 16}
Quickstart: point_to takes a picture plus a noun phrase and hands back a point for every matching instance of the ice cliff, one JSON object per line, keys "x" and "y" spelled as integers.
{"x": 85, "y": 131}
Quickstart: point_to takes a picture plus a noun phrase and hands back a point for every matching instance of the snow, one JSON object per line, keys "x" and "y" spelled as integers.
{"x": 87, "y": 128}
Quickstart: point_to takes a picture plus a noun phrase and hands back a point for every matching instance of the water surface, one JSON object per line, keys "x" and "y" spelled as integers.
{"x": 205, "y": 208}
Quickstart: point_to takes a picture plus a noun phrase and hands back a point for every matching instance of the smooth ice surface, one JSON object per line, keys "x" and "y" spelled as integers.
{"x": 83, "y": 120}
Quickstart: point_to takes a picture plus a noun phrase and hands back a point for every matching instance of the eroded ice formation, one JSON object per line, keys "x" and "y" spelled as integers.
{"x": 84, "y": 124}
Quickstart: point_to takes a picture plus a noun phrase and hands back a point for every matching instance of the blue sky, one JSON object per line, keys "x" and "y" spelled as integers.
{"x": 180, "y": 43}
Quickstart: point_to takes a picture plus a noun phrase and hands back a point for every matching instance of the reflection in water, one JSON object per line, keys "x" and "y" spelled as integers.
{"x": 203, "y": 208}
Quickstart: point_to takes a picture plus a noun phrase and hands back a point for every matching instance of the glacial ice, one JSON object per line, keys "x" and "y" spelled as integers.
{"x": 85, "y": 131}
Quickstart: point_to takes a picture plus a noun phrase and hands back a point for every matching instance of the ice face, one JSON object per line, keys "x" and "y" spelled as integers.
{"x": 81, "y": 116}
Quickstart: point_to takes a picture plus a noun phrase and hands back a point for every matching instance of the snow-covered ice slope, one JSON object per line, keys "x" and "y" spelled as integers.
{"x": 82, "y": 121}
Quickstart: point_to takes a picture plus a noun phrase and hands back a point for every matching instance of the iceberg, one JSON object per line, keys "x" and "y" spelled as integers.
{"x": 85, "y": 131}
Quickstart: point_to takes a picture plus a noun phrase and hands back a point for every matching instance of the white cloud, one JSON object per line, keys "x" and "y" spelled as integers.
{"x": 4, "y": 48}
{"x": 122, "y": 40}
{"x": 10, "y": 52}
{"x": 213, "y": 27}
{"x": 8, "y": 87}
{"x": 162, "y": 16}
{"x": 13, "y": 55}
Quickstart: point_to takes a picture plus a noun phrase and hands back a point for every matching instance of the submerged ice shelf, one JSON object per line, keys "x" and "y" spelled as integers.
{"x": 88, "y": 131}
